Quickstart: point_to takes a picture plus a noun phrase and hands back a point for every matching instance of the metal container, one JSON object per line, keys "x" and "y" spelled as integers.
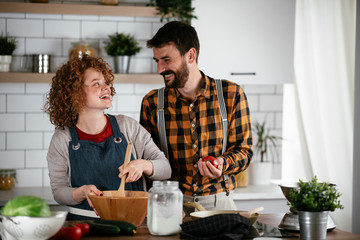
{"x": 122, "y": 64}
{"x": 41, "y": 63}
{"x": 313, "y": 225}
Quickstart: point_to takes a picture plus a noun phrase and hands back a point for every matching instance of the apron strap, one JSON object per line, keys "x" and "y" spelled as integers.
{"x": 161, "y": 122}
{"x": 115, "y": 129}
{"x": 223, "y": 113}
{"x": 74, "y": 138}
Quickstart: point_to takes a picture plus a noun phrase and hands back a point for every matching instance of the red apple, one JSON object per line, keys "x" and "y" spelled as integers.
{"x": 210, "y": 159}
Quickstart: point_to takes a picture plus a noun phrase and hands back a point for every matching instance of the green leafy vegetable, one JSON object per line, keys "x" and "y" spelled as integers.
{"x": 315, "y": 197}
{"x": 26, "y": 206}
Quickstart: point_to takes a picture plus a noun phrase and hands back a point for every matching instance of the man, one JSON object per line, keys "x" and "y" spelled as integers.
{"x": 186, "y": 121}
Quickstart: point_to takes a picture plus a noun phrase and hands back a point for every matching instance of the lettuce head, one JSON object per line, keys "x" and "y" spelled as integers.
{"x": 26, "y": 206}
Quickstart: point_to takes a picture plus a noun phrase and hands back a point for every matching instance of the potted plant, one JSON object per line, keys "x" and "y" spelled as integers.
{"x": 265, "y": 151}
{"x": 313, "y": 201}
{"x": 121, "y": 47}
{"x": 7, "y": 47}
{"x": 178, "y": 9}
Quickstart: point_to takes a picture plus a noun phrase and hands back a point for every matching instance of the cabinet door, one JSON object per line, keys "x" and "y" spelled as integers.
{"x": 246, "y": 41}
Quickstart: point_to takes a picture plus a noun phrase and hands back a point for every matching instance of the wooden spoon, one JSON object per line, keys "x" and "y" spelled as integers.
{"x": 121, "y": 190}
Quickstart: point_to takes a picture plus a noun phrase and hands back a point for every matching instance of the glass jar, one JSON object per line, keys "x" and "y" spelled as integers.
{"x": 81, "y": 48}
{"x": 165, "y": 206}
{"x": 7, "y": 179}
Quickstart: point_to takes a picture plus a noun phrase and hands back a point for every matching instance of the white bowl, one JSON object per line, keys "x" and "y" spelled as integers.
{"x": 34, "y": 228}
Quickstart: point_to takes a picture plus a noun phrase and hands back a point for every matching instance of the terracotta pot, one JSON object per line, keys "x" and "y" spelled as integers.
{"x": 131, "y": 208}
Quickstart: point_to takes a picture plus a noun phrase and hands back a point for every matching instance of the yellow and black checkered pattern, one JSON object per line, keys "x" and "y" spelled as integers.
{"x": 194, "y": 130}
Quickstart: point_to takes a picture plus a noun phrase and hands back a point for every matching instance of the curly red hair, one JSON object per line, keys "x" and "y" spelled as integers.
{"x": 66, "y": 97}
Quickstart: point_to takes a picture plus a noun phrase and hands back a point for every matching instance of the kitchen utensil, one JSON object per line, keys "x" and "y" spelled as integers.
{"x": 23, "y": 227}
{"x": 290, "y": 220}
{"x": 121, "y": 191}
{"x": 202, "y": 212}
{"x": 41, "y": 63}
{"x": 131, "y": 208}
{"x": 256, "y": 210}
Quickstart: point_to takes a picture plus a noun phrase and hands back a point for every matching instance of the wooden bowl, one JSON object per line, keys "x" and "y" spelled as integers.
{"x": 131, "y": 208}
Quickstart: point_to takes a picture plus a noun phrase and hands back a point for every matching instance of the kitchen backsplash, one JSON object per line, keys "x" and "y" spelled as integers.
{"x": 25, "y": 130}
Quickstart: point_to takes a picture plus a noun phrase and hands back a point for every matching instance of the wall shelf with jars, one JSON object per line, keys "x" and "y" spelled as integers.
{"x": 78, "y": 9}
{"x": 17, "y": 77}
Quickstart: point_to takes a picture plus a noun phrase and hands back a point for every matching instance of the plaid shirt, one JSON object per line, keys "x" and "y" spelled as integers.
{"x": 194, "y": 130}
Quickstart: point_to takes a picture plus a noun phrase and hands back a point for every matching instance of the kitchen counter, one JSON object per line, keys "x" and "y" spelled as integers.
{"x": 271, "y": 191}
{"x": 272, "y": 219}
{"x": 41, "y": 192}
{"x": 251, "y": 192}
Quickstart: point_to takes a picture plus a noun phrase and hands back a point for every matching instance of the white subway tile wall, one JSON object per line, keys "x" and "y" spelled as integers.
{"x": 25, "y": 130}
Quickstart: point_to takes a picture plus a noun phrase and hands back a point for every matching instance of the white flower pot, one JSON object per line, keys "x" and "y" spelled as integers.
{"x": 260, "y": 173}
{"x": 5, "y": 61}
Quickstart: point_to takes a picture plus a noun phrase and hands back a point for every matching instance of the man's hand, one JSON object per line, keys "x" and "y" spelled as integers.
{"x": 207, "y": 169}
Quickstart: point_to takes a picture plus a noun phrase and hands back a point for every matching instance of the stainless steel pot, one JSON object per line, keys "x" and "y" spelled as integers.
{"x": 41, "y": 63}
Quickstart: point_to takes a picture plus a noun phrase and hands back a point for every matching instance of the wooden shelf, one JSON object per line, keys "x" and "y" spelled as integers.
{"x": 78, "y": 9}
{"x": 19, "y": 77}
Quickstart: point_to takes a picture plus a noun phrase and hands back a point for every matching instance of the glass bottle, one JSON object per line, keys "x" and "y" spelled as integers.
{"x": 165, "y": 206}
{"x": 7, "y": 179}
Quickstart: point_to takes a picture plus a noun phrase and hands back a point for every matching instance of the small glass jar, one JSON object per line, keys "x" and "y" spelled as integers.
{"x": 165, "y": 206}
{"x": 7, "y": 179}
{"x": 79, "y": 49}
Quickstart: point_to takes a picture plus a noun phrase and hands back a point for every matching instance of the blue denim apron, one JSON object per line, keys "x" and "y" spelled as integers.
{"x": 98, "y": 163}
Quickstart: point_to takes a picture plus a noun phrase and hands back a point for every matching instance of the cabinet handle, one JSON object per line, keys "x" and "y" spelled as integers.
{"x": 243, "y": 73}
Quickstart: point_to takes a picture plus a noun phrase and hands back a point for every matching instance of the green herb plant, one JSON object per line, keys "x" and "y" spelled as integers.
{"x": 264, "y": 140}
{"x": 120, "y": 44}
{"x": 180, "y": 10}
{"x": 314, "y": 197}
{"x": 7, "y": 44}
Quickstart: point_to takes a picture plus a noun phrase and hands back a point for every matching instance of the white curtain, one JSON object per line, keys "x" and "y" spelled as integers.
{"x": 323, "y": 99}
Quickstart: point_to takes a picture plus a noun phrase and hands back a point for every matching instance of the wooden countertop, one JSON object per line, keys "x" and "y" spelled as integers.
{"x": 142, "y": 232}
{"x": 251, "y": 192}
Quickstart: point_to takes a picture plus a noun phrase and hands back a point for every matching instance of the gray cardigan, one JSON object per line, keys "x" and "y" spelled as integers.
{"x": 143, "y": 148}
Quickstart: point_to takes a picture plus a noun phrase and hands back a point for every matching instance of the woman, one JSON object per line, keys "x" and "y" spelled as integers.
{"x": 88, "y": 147}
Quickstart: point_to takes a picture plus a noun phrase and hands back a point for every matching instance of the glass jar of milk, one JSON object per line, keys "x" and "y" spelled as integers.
{"x": 165, "y": 206}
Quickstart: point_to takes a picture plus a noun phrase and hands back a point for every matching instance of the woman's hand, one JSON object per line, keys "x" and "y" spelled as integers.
{"x": 81, "y": 193}
{"x": 135, "y": 169}
{"x": 207, "y": 169}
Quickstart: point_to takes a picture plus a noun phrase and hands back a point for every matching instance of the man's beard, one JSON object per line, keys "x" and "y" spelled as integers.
{"x": 180, "y": 77}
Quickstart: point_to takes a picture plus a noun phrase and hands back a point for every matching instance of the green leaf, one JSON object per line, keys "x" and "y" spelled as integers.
{"x": 314, "y": 197}
{"x": 120, "y": 44}
{"x": 26, "y": 206}
{"x": 7, "y": 44}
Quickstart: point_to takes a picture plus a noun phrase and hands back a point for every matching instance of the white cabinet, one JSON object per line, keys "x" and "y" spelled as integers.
{"x": 246, "y": 41}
